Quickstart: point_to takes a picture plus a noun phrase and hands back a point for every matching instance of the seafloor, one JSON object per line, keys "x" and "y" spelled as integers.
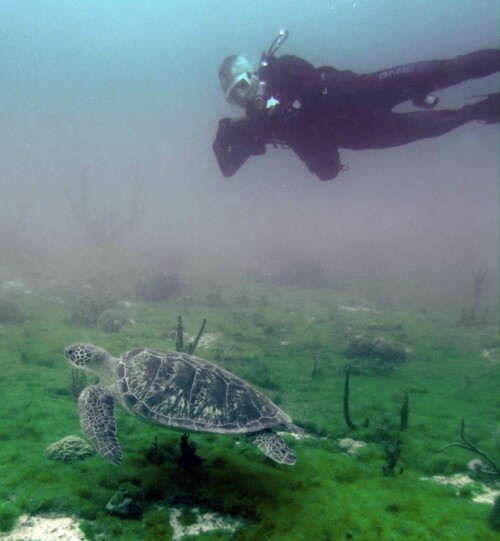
{"x": 292, "y": 343}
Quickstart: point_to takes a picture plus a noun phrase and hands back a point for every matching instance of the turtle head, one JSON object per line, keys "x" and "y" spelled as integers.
{"x": 85, "y": 356}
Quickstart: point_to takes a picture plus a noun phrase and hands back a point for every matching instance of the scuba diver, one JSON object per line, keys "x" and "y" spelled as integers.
{"x": 315, "y": 111}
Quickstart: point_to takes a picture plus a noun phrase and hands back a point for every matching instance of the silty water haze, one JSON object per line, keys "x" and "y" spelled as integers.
{"x": 109, "y": 110}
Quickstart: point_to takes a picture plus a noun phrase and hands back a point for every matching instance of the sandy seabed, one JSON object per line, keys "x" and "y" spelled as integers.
{"x": 45, "y": 529}
{"x": 67, "y": 529}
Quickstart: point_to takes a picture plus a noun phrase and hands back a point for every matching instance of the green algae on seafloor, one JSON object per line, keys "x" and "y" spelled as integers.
{"x": 327, "y": 495}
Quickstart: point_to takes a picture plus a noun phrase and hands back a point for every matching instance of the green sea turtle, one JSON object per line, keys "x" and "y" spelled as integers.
{"x": 175, "y": 390}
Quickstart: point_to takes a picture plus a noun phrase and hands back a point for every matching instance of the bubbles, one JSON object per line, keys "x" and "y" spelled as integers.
{"x": 334, "y": 4}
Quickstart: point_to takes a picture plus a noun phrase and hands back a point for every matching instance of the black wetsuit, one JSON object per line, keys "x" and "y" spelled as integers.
{"x": 323, "y": 109}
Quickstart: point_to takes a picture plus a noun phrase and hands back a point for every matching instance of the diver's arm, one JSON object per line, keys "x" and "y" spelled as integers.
{"x": 320, "y": 156}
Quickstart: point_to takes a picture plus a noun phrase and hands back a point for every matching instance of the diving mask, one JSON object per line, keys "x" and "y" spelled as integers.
{"x": 242, "y": 89}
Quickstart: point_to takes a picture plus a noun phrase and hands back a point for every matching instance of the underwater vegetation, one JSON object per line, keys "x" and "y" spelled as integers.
{"x": 158, "y": 288}
{"x": 90, "y": 302}
{"x": 484, "y": 464}
{"x": 179, "y": 337}
{"x": 10, "y": 312}
{"x": 475, "y": 314}
{"x": 293, "y": 343}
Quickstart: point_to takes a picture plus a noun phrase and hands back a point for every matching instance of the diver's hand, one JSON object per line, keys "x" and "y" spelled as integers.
{"x": 235, "y": 141}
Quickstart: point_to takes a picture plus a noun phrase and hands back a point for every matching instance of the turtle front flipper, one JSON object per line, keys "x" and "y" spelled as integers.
{"x": 273, "y": 446}
{"x": 97, "y": 418}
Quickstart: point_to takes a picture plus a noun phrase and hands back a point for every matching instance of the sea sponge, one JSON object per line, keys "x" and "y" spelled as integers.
{"x": 69, "y": 449}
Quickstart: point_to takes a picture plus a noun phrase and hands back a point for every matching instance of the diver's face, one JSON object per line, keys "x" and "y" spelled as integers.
{"x": 242, "y": 91}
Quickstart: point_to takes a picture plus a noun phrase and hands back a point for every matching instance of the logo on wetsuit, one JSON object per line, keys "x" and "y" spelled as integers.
{"x": 401, "y": 70}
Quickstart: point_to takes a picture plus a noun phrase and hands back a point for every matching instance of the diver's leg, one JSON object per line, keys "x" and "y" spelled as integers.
{"x": 411, "y": 127}
{"x": 465, "y": 67}
{"x": 394, "y": 129}
{"x": 415, "y": 81}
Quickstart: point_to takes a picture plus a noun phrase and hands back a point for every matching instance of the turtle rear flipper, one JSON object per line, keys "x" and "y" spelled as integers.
{"x": 272, "y": 446}
{"x": 97, "y": 418}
